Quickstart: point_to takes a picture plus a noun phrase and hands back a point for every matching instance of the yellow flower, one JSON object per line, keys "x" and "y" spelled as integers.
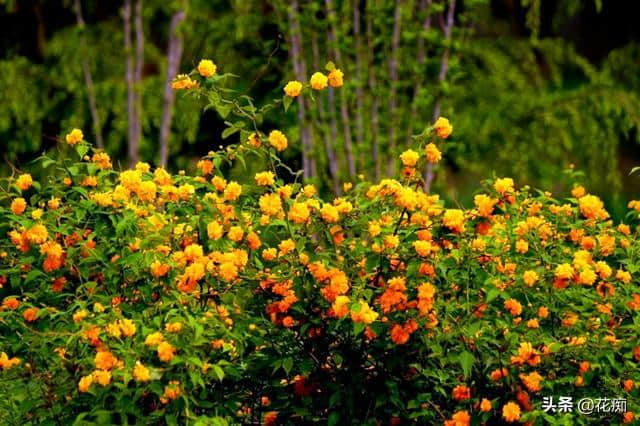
{"x": 592, "y": 207}
{"x": 484, "y": 204}
{"x": 299, "y": 213}
{"x": 228, "y": 271}
{"x": 166, "y": 352}
{"x": 293, "y": 88}
{"x": 214, "y": 230}
{"x": 235, "y": 233}
{"x": 154, "y": 339}
{"x": 454, "y": 220}
{"x": 37, "y": 234}
{"x": 265, "y": 178}
{"x": 74, "y": 137}
{"x": 207, "y": 68}
{"x": 183, "y": 81}
{"x": 318, "y": 81}
{"x": 127, "y": 327}
{"x": 102, "y": 160}
{"x": 423, "y": 248}
{"x": 102, "y": 377}
{"x": 409, "y": 158}
{"x": 335, "y": 78}
{"x": 269, "y": 254}
{"x": 173, "y": 327}
{"x": 104, "y": 360}
{"x": 365, "y": 314}
{"x": 433, "y": 153}
{"x": 141, "y": 373}
{"x": 24, "y": 181}
{"x": 53, "y": 203}
{"x": 564, "y": 271}
{"x": 530, "y": 277}
{"x": 270, "y": 204}
{"x": 278, "y": 140}
{"x": 85, "y": 383}
{"x": 329, "y": 213}
{"x": 232, "y": 191}
{"x": 504, "y": 185}
{"x": 442, "y": 127}
{"x": 286, "y": 246}
{"x": 511, "y": 412}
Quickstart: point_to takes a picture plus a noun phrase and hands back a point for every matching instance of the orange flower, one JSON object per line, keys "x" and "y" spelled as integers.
{"x": 18, "y": 206}
{"x": 485, "y": 405}
{"x": 104, "y": 360}
{"x": 460, "y": 418}
{"x": 30, "y": 314}
{"x": 461, "y": 393}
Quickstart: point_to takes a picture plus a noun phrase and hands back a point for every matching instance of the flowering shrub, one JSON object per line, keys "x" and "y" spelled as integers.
{"x": 142, "y": 296}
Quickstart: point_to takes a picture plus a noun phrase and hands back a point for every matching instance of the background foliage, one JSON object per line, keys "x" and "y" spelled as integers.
{"x": 534, "y": 85}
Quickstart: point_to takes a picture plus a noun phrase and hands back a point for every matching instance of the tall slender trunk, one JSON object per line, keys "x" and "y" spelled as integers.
{"x": 174, "y": 54}
{"x": 359, "y": 93}
{"x": 346, "y": 122}
{"x": 444, "y": 66}
{"x": 375, "y": 144}
{"x": 425, "y": 6}
{"x": 299, "y": 68}
{"x": 41, "y": 33}
{"x": 328, "y": 140}
{"x": 393, "y": 81}
{"x": 138, "y": 82}
{"x": 131, "y": 98}
{"x": 88, "y": 79}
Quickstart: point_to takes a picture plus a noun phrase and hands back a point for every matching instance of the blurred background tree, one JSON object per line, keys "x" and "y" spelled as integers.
{"x": 531, "y": 85}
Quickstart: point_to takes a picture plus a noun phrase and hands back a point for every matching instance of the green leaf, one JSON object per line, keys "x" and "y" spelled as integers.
{"x": 286, "y": 101}
{"x": 466, "y": 361}
{"x": 229, "y": 131}
{"x": 218, "y": 372}
{"x": 287, "y": 365}
{"x": 223, "y": 110}
{"x": 82, "y": 150}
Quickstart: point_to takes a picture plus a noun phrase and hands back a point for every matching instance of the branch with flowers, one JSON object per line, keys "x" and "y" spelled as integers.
{"x": 176, "y": 299}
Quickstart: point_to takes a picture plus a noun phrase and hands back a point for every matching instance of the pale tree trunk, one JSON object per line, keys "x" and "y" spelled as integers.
{"x": 88, "y": 79}
{"x": 346, "y": 122}
{"x": 425, "y": 6}
{"x": 444, "y": 66}
{"x": 359, "y": 93}
{"x": 138, "y": 82}
{"x": 299, "y": 69}
{"x": 393, "y": 77}
{"x": 131, "y": 97}
{"x": 328, "y": 140}
{"x": 375, "y": 144}
{"x": 174, "y": 54}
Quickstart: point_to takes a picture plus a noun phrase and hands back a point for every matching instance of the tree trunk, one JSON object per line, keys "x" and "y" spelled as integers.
{"x": 393, "y": 77}
{"x": 41, "y": 33}
{"x": 88, "y": 79}
{"x": 299, "y": 67}
{"x": 375, "y": 145}
{"x": 346, "y": 122}
{"x": 138, "y": 82}
{"x": 425, "y": 6}
{"x": 328, "y": 141}
{"x": 174, "y": 54}
{"x": 358, "y": 77}
{"x": 131, "y": 97}
{"x": 444, "y": 66}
